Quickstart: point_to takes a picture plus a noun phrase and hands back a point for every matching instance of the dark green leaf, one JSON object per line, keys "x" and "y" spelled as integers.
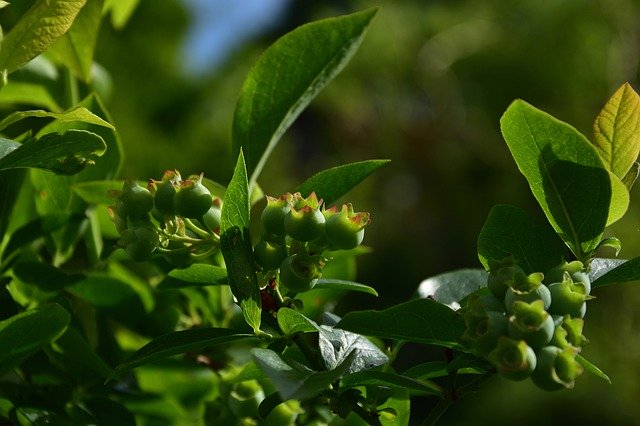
{"x": 293, "y": 380}
{"x": 10, "y": 183}
{"x": 333, "y": 183}
{"x": 428, "y": 370}
{"x": 592, "y": 368}
{"x": 509, "y": 231}
{"x": 36, "y": 30}
{"x": 292, "y": 322}
{"x": 565, "y": 174}
{"x": 268, "y": 404}
{"x": 467, "y": 362}
{"x": 195, "y": 275}
{"x": 43, "y": 275}
{"x": 451, "y": 287}
{"x": 612, "y": 271}
{"x": 73, "y": 353}
{"x": 179, "y": 342}
{"x": 285, "y": 80}
{"x": 235, "y": 244}
{"x": 65, "y": 153}
{"x": 334, "y": 284}
{"x": 381, "y": 378}
{"x": 422, "y": 320}
{"x": 26, "y": 333}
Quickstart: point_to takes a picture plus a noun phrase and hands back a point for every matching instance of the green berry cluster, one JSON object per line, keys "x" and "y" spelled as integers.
{"x": 177, "y": 218}
{"x": 296, "y": 231}
{"x": 530, "y": 325}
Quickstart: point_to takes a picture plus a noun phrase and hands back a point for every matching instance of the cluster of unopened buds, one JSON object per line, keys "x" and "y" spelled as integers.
{"x": 177, "y": 218}
{"x": 530, "y": 325}
{"x": 296, "y": 231}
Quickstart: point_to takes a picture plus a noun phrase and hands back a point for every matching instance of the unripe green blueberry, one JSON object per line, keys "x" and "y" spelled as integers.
{"x": 213, "y": 217}
{"x": 565, "y": 300}
{"x": 305, "y": 221}
{"x": 556, "y": 369}
{"x": 345, "y": 229}
{"x": 274, "y": 213}
{"x": 501, "y": 276}
{"x": 136, "y": 201}
{"x": 483, "y": 331}
{"x": 513, "y": 359}
{"x": 284, "y": 414}
{"x": 299, "y": 273}
{"x": 164, "y": 191}
{"x": 556, "y": 274}
{"x": 539, "y": 293}
{"x": 484, "y": 301}
{"x": 140, "y": 241}
{"x": 568, "y": 333}
{"x": 269, "y": 255}
{"x": 193, "y": 199}
{"x": 581, "y": 282}
{"x": 244, "y": 399}
{"x": 531, "y": 323}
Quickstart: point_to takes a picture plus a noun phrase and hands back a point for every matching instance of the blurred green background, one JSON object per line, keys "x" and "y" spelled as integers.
{"x": 426, "y": 90}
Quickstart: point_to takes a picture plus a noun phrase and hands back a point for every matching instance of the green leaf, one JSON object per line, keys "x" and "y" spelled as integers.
{"x": 335, "y": 284}
{"x": 509, "y": 231}
{"x": 43, "y": 276}
{"x": 565, "y": 174}
{"x": 121, "y": 11}
{"x": 617, "y": 131}
{"x": 285, "y": 80}
{"x": 195, "y": 275}
{"x": 421, "y": 320}
{"x": 37, "y": 228}
{"x": 293, "y": 380}
{"x": 292, "y": 322}
{"x": 333, "y": 183}
{"x": 36, "y": 30}
{"x": 27, "y": 93}
{"x": 630, "y": 178}
{"x": 72, "y": 351}
{"x": 450, "y": 288}
{"x": 97, "y": 191}
{"x": 592, "y": 368}
{"x": 75, "y": 48}
{"x": 268, "y": 404}
{"x": 336, "y": 345}
{"x": 381, "y": 378}
{"x": 617, "y": 271}
{"x": 10, "y": 183}
{"x": 81, "y": 114}
{"x": 28, "y": 332}
{"x": 236, "y": 247}
{"x": 65, "y": 153}
{"x": 179, "y": 342}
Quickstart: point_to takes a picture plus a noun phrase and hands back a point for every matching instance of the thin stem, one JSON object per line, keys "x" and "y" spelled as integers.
{"x": 195, "y": 228}
{"x": 437, "y": 411}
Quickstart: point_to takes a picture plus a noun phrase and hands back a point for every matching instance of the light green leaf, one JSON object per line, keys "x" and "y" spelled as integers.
{"x": 333, "y": 183}
{"x": 65, "y": 153}
{"x": 36, "y": 30}
{"x": 26, "y": 93}
{"x": 292, "y": 322}
{"x": 592, "y": 368}
{"x": 450, "y": 288}
{"x": 23, "y": 334}
{"x": 619, "y": 199}
{"x": 421, "y": 320}
{"x": 121, "y": 11}
{"x": 285, "y": 80}
{"x": 617, "y": 131}
{"x": 335, "y": 284}
{"x": 565, "y": 174}
{"x": 509, "y": 231}
{"x": 75, "y": 48}
{"x": 630, "y": 178}
{"x": 195, "y": 275}
{"x": 97, "y": 191}
{"x": 179, "y": 342}
{"x": 235, "y": 244}
{"x": 77, "y": 114}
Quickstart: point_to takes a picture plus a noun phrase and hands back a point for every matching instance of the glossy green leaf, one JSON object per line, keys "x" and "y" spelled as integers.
{"x": 179, "y": 342}
{"x": 97, "y": 191}
{"x": 65, "y": 153}
{"x": 331, "y": 184}
{"x": 450, "y": 288}
{"x": 236, "y": 247}
{"x": 617, "y": 131}
{"x": 510, "y": 231}
{"x": 613, "y": 271}
{"x": 565, "y": 174}
{"x": 195, "y": 275}
{"x": 292, "y": 322}
{"x": 285, "y": 80}
{"x": 336, "y": 345}
{"x": 28, "y": 332}
{"x": 421, "y": 320}
{"x": 381, "y": 378}
{"x": 75, "y": 48}
{"x": 343, "y": 285}
{"x": 592, "y": 368}
{"x": 293, "y": 380}
{"x": 36, "y": 30}
{"x": 80, "y": 114}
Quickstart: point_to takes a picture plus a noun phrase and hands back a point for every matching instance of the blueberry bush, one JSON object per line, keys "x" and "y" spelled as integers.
{"x": 180, "y": 300}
